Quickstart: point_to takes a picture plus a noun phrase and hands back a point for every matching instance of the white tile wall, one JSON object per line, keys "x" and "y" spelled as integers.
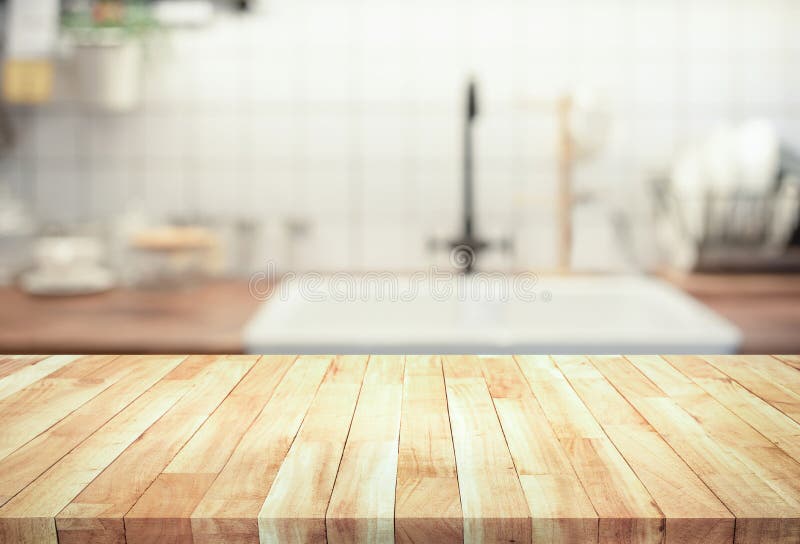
{"x": 346, "y": 114}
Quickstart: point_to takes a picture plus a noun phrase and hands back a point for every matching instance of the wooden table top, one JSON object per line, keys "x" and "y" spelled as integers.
{"x": 765, "y": 307}
{"x": 417, "y": 449}
{"x": 205, "y": 318}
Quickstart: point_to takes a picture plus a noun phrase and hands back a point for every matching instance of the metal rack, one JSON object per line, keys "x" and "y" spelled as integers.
{"x": 733, "y": 230}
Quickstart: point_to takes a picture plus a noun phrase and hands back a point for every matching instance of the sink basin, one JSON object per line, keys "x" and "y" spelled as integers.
{"x": 558, "y": 315}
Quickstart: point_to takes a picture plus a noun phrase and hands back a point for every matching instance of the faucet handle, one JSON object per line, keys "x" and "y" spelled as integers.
{"x": 507, "y": 245}
{"x": 432, "y": 245}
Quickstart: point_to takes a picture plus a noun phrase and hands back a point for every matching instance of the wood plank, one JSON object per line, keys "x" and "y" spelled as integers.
{"x": 567, "y": 449}
{"x": 362, "y": 503}
{"x": 760, "y": 383}
{"x": 762, "y": 514}
{"x": 776, "y": 426}
{"x": 791, "y": 360}
{"x": 10, "y": 364}
{"x": 777, "y": 468}
{"x": 494, "y": 504}
{"x": 212, "y": 445}
{"x": 12, "y": 383}
{"x": 428, "y": 506}
{"x": 561, "y": 512}
{"x": 692, "y": 511}
{"x": 96, "y": 514}
{"x": 29, "y": 516}
{"x": 229, "y": 509}
{"x": 162, "y": 513}
{"x": 31, "y": 460}
{"x": 767, "y": 366}
{"x": 626, "y": 509}
{"x": 294, "y": 510}
{"x": 41, "y": 404}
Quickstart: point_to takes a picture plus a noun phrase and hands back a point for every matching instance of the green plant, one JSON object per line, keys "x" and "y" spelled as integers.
{"x": 132, "y": 17}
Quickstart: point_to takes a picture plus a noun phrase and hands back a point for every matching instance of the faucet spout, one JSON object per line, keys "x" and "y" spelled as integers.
{"x": 466, "y": 247}
{"x": 468, "y": 215}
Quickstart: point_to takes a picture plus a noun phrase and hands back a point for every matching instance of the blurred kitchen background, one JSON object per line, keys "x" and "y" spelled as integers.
{"x": 155, "y": 154}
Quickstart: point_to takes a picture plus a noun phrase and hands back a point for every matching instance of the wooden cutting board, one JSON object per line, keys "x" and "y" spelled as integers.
{"x": 567, "y": 449}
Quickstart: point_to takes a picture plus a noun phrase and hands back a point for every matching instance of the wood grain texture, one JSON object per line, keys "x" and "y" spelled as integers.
{"x": 229, "y": 509}
{"x": 761, "y": 456}
{"x": 29, "y": 516}
{"x": 494, "y": 505}
{"x": 627, "y": 511}
{"x": 162, "y": 512}
{"x": 561, "y": 512}
{"x": 769, "y": 387}
{"x": 791, "y": 360}
{"x": 769, "y": 367}
{"x": 428, "y": 506}
{"x": 9, "y": 364}
{"x": 762, "y": 513}
{"x": 361, "y": 508}
{"x": 246, "y": 449}
{"x": 294, "y": 510}
{"x": 692, "y": 511}
{"x": 39, "y": 405}
{"x": 31, "y": 460}
{"x": 96, "y": 514}
{"x": 763, "y": 417}
{"x": 12, "y": 382}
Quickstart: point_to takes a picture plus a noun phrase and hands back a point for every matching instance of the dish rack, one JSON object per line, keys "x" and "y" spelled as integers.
{"x": 726, "y": 231}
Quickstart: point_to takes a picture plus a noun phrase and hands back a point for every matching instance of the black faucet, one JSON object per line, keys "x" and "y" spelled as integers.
{"x": 466, "y": 247}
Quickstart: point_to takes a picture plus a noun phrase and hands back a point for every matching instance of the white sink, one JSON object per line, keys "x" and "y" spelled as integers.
{"x": 589, "y": 315}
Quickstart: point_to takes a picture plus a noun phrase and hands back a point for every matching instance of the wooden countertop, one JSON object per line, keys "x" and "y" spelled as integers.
{"x": 210, "y": 318}
{"x": 765, "y": 307}
{"x": 207, "y": 318}
{"x": 418, "y": 449}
